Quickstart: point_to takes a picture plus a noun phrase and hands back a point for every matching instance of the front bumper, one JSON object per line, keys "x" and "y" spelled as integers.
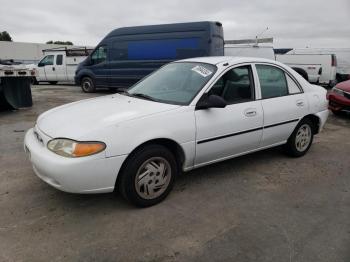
{"x": 91, "y": 174}
{"x": 338, "y": 102}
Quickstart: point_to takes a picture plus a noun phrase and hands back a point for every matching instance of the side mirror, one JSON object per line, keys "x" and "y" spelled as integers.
{"x": 211, "y": 101}
{"x": 41, "y": 64}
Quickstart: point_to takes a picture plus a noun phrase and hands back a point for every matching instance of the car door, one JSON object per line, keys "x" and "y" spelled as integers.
{"x": 99, "y": 66}
{"x": 50, "y": 70}
{"x": 45, "y": 68}
{"x": 60, "y": 68}
{"x": 237, "y": 128}
{"x": 283, "y": 102}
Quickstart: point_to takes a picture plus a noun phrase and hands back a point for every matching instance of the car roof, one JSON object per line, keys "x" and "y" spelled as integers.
{"x": 215, "y": 60}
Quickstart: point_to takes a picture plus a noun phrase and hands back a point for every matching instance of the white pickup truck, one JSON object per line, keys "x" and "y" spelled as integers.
{"x": 315, "y": 68}
{"x": 59, "y": 65}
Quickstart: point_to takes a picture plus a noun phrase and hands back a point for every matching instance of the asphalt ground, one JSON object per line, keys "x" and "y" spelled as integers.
{"x": 260, "y": 207}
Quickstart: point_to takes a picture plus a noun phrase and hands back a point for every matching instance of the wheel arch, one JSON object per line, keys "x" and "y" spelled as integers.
{"x": 81, "y": 75}
{"x": 170, "y": 144}
{"x": 315, "y": 120}
{"x": 301, "y": 72}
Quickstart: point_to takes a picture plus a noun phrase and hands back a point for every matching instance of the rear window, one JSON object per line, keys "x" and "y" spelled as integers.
{"x": 59, "y": 59}
{"x": 273, "y": 81}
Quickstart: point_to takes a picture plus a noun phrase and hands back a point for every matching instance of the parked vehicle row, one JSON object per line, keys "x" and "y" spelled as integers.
{"x": 128, "y": 54}
{"x": 137, "y": 141}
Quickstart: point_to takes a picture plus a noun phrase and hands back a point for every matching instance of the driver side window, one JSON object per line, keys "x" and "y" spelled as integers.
{"x": 47, "y": 60}
{"x": 235, "y": 86}
{"x": 99, "y": 55}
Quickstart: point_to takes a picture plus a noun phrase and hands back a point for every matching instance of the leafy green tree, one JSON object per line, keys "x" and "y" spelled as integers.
{"x": 5, "y": 36}
{"x": 59, "y": 42}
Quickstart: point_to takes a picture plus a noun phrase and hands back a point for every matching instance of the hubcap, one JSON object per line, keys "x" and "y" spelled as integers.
{"x": 86, "y": 85}
{"x": 303, "y": 138}
{"x": 153, "y": 178}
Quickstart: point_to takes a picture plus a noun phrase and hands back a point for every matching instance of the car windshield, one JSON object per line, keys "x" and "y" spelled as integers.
{"x": 175, "y": 83}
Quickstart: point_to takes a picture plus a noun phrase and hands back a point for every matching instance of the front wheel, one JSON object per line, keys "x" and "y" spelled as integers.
{"x": 301, "y": 139}
{"x": 87, "y": 85}
{"x": 337, "y": 112}
{"x": 148, "y": 175}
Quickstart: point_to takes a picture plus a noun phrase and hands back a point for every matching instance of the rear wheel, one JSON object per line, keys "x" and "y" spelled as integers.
{"x": 148, "y": 175}
{"x": 87, "y": 85}
{"x": 301, "y": 139}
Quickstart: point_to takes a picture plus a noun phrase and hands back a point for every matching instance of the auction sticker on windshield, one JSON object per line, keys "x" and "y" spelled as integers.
{"x": 202, "y": 71}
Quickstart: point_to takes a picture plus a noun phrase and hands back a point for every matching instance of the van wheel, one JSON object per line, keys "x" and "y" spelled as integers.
{"x": 301, "y": 139}
{"x": 148, "y": 175}
{"x": 53, "y": 82}
{"x": 87, "y": 85}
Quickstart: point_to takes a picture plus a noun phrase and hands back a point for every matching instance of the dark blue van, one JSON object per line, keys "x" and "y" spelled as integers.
{"x": 128, "y": 54}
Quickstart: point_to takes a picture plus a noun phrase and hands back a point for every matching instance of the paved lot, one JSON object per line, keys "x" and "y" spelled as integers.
{"x": 261, "y": 207}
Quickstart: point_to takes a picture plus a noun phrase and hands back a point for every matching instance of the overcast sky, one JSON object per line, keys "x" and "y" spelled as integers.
{"x": 297, "y": 23}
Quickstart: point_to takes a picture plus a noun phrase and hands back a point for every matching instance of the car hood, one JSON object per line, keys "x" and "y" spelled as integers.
{"x": 77, "y": 119}
{"x": 345, "y": 86}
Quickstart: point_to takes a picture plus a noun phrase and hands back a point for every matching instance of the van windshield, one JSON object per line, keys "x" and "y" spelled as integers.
{"x": 175, "y": 83}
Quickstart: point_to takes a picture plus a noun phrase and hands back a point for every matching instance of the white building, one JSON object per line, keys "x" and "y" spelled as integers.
{"x": 27, "y": 53}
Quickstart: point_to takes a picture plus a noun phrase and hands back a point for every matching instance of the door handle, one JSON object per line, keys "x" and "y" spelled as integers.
{"x": 300, "y": 103}
{"x": 53, "y": 69}
{"x": 250, "y": 112}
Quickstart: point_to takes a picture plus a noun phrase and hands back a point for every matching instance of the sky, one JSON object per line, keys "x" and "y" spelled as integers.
{"x": 292, "y": 23}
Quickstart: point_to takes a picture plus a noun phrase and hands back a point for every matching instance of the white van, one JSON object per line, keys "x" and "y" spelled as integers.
{"x": 342, "y": 54}
{"x": 59, "y": 65}
{"x": 250, "y": 51}
{"x": 315, "y": 68}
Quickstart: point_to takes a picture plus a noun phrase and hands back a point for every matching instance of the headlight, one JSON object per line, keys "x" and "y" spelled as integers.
{"x": 71, "y": 148}
{"x": 337, "y": 91}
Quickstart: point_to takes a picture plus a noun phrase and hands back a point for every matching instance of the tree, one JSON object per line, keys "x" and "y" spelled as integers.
{"x": 5, "y": 36}
{"x": 59, "y": 42}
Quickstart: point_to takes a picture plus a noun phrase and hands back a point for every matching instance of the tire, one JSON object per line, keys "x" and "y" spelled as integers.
{"x": 301, "y": 72}
{"x": 337, "y": 112}
{"x": 301, "y": 139}
{"x": 33, "y": 81}
{"x": 149, "y": 159}
{"x": 53, "y": 82}
{"x": 87, "y": 85}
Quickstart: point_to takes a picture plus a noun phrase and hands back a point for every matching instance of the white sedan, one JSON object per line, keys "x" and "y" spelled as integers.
{"x": 187, "y": 114}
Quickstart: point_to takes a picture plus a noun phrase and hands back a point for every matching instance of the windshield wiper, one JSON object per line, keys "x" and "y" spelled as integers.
{"x": 143, "y": 96}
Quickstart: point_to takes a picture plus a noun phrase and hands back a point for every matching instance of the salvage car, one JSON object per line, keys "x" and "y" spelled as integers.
{"x": 339, "y": 98}
{"x": 188, "y": 114}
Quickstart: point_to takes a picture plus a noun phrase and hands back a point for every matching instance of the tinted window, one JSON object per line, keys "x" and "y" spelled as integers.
{"x": 157, "y": 49}
{"x": 235, "y": 86}
{"x": 47, "y": 60}
{"x": 273, "y": 81}
{"x": 176, "y": 83}
{"x": 293, "y": 88}
{"x": 59, "y": 59}
{"x": 99, "y": 55}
